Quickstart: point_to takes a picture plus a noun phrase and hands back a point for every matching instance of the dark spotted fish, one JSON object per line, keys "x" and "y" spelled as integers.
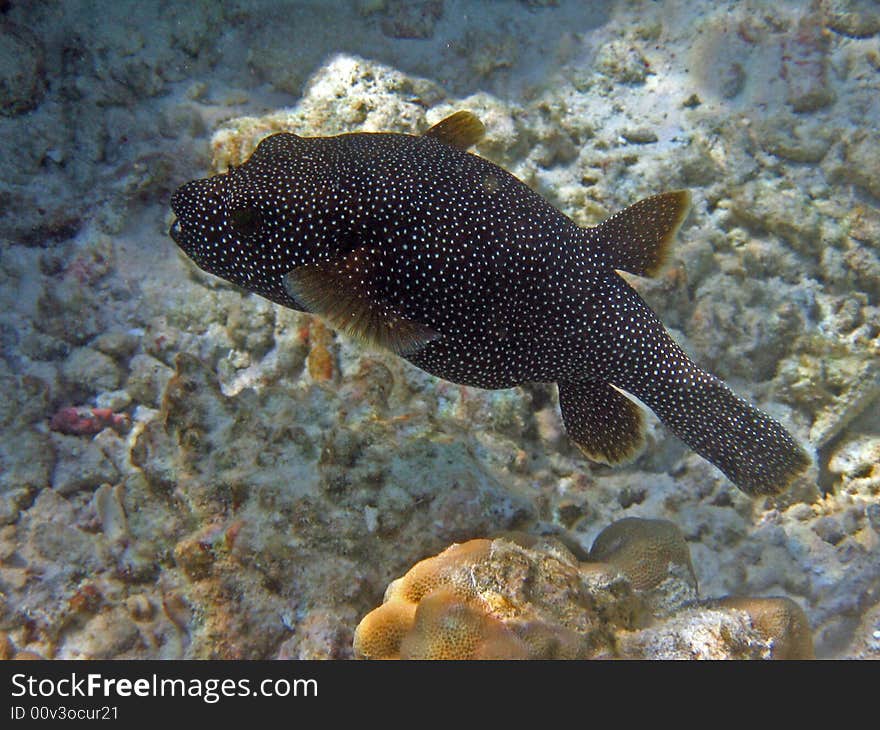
{"x": 413, "y": 244}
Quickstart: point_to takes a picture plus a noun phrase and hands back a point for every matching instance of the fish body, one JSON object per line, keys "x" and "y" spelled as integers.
{"x": 413, "y": 244}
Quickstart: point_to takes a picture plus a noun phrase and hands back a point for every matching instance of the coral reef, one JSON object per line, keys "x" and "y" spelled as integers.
{"x": 275, "y": 477}
{"x": 516, "y": 597}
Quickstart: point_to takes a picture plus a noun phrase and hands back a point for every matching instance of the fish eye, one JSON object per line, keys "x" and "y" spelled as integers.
{"x": 245, "y": 221}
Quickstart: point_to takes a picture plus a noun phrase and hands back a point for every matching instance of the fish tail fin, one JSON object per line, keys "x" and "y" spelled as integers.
{"x": 637, "y": 239}
{"x": 753, "y": 450}
{"x": 629, "y": 348}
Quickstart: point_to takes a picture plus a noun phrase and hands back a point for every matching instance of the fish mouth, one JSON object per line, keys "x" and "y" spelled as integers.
{"x": 176, "y": 232}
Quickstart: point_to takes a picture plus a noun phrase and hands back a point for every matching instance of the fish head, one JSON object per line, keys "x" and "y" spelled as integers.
{"x": 256, "y": 222}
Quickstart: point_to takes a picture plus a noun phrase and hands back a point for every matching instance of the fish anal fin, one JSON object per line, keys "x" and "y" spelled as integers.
{"x": 606, "y": 425}
{"x": 461, "y": 130}
{"x": 638, "y": 238}
{"x": 340, "y": 292}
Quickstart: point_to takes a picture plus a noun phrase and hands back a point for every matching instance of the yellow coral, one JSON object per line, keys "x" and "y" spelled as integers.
{"x": 427, "y": 614}
{"x": 439, "y": 571}
{"x": 379, "y": 634}
{"x": 644, "y": 551}
{"x": 448, "y": 627}
{"x": 779, "y": 620}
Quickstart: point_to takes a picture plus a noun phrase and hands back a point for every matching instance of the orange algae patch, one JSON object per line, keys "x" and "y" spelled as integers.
{"x": 319, "y": 361}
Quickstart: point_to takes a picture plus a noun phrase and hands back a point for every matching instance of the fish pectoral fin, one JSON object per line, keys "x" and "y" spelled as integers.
{"x": 340, "y": 293}
{"x": 461, "y": 130}
{"x": 638, "y": 238}
{"x": 606, "y": 425}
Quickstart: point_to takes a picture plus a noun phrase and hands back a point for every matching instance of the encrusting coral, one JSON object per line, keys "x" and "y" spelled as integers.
{"x": 781, "y": 621}
{"x": 655, "y": 557}
{"x": 520, "y": 597}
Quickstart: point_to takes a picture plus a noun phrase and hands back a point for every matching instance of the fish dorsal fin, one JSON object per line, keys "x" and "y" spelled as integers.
{"x": 340, "y": 292}
{"x": 461, "y": 130}
{"x": 638, "y": 238}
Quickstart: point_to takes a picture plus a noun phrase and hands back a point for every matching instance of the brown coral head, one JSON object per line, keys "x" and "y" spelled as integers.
{"x": 643, "y": 550}
{"x": 779, "y": 620}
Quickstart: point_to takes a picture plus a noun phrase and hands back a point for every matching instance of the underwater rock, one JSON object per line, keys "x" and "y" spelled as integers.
{"x": 107, "y": 635}
{"x": 40, "y": 346}
{"x": 90, "y": 371}
{"x": 118, "y": 344}
{"x": 346, "y": 92}
{"x": 27, "y": 456}
{"x": 731, "y": 55}
{"x": 698, "y": 633}
{"x": 866, "y": 636}
{"x": 194, "y": 555}
{"x": 250, "y": 324}
{"x": 639, "y": 135}
{"x": 322, "y": 634}
{"x": 732, "y": 81}
{"x": 864, "y": 268}
{"x": 332, "y": 488}
{"x": 698, "y": 166}
{"x": 318, "y": 461}
{"x": 622, "y": 61}
{"x": 70, "y": 313}
{"x": 111, "y": 512}
{"x": 794, "y": 139}
{"x": 408, "y": 19}
{"x": 147, "y": 379}
{"x": 860, "y": 163}
{"x": 7, "y": 648}
{"x": 789, "y": 214}
{"x": 857, "y": 457}
{"x": 140, "y": 608}
{"x": 80, "y": 465}
{"x": 114, "y": 400}
{"x": 22, "y": 70}
{"x": 854, "y": 18}
{"x": 831, "y": 379}
{"x": 829, "y": 529}
{"x": 805, "y": 63}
